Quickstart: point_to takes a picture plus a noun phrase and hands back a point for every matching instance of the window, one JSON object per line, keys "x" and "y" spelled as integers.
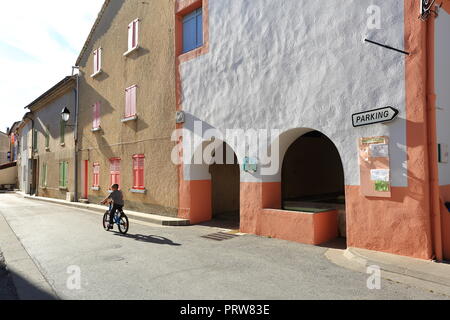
{"x": 133, "y": 35}
{"x": 35, "y": 140}
{"x": 130, "y": 102}
{"x": 114, "y": 171}
{"x": 63, "y": 174}
{"x": 44, "y": 175}
{"x": 62, "y": 131}
{"x": 96, "y": 116}
{"x": 97, "y": 61}
{"x": 193, "y": 30}
{"x": 47, "y": 137}
{"x": 138, "y": 172}
{"x": 96, "y": 177}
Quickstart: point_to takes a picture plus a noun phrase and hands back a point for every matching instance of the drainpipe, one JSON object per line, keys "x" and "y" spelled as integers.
{"x": 432, "y": 141}
{"x": 75, "y": 134}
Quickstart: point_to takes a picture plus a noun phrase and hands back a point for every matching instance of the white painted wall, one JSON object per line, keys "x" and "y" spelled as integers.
{"x": 24, "y": 163}
{"x": 442, "y": 77}
{"x": 300, "y": 64}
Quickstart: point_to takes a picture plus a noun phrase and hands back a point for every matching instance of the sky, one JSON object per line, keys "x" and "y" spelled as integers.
{"x": 40, "y": 41}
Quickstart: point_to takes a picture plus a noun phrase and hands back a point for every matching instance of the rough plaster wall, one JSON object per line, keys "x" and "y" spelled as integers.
{"x": 301, "y": 64}
{"x": 49, "y": 117}
{"x": 442, "y": 76}
{"x": 4, "y": 147}
{"x": 24, "y": 174}
{"x": 152, "y": 69}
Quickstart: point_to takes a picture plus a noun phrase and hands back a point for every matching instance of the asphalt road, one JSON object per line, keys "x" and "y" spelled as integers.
{"x": 155, "y": 262}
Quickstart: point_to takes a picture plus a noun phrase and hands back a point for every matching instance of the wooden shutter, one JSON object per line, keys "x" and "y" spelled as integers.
{"x": 130, "y": 102}
{"x": 95, "y": 61}
{"x": 96, "y": 115}
{"x": 47, "y": 137}
{"x": 66, "y": 174}
{"x": 96, "y": 180}
{"x": 61, "y": 174}
{"x": 62, "y": 131}
{"x": 115, "y": 171}
{"x": 130, "y": 36}
{"x": 138, "y": 171}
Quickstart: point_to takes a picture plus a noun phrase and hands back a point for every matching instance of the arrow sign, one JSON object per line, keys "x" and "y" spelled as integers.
{"x": 374, "y": 116}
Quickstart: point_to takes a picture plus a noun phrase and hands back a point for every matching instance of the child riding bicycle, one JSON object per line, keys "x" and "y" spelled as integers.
{"x": 116, "y": 197}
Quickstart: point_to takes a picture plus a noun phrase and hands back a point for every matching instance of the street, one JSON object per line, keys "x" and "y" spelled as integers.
{"x": 155, "y": 262}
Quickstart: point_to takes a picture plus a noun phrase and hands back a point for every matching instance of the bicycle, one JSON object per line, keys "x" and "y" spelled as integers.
{"x": 120, "y": 218}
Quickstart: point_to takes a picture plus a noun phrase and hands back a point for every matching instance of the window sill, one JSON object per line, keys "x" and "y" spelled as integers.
{"x": 194, "y": 53}
{"x": 47, "y": 149}
{"x": 142, "y": 191}
{"x": 96, "y": 73}
{"x": 126, "y": 54}
{"x": 62, "y": 144}
{"x": 63, "y": 189}
{"x": 132, "y": 118}
{"x": 95, "y": 188}
{"x": 96, "y": 129}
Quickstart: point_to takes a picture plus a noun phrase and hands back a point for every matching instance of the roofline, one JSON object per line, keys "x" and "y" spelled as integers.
{"x": 59, "y": 85}
{"x": 91, "y": 33}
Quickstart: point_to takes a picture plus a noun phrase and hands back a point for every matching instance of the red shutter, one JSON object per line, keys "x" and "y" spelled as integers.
{"x": 96, "y": 178}
{"x": 138, "y": 172}
{"x": 115, "y": 171}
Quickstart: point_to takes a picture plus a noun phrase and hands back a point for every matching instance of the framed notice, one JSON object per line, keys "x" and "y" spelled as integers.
{"x": 374, "y": 166}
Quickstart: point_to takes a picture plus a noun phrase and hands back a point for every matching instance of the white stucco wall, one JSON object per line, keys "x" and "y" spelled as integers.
{"x": 24, "y": 163}
{"x": 300, "y": 64}
{"x": 442, "y": 77}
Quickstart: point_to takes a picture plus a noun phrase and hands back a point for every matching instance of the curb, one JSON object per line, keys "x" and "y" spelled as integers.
{"x": 144, "y": 217}
{"x": 352, "y": 255}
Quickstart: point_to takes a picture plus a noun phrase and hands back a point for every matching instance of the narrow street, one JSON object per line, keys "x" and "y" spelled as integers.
{"x": 154, "y": 262}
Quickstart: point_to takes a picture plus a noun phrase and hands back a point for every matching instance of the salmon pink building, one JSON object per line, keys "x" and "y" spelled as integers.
{"x": 309, "y": 120}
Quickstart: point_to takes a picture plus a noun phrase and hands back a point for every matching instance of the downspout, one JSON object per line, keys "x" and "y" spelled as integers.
{"x": 75, "y": 134}
{"x": 432, "y": 141}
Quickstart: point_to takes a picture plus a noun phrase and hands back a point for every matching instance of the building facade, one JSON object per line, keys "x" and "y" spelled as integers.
{"x": 127, "y": 106}
{"x": 277, "y": 85}
{"x": 52, "y": 143}
{"x": 4, "y": 148}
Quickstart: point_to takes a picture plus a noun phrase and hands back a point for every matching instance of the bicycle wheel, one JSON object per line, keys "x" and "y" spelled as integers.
{"x": 123, "y": 225}
{"x": 106, "y": 221}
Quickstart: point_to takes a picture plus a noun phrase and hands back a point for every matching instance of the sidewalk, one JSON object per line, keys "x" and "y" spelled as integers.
{"x": 140, "y": 216}
{"x": 430, "y": 275}
{"x": 29, "y": 282}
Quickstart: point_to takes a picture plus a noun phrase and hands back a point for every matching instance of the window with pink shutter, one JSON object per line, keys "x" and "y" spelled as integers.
{"x": 96, "y": 116}
{"x": 138, "y": 172}
{"x": 115, "y": 171}
{"x": 130, "y": 102}
{"x": 133, "y": 32}
{"x": 96, "y": 176}
{"x": 97, "y": 60}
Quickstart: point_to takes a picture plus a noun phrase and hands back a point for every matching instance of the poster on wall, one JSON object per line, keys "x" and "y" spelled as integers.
{"x": 374, "y": 167}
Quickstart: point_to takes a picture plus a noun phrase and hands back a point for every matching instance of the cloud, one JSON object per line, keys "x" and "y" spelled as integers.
{"x": 39, "y": 43}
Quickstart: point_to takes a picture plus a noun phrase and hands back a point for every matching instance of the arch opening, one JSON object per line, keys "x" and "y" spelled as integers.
{"x": 312, "y": 177}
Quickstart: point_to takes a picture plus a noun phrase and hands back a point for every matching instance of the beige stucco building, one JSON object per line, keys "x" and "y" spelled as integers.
{"x": 127, "y": 106}
{"x": 4, "y": 147}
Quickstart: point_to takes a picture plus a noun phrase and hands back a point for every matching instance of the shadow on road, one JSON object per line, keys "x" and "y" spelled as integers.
{"x": 150, "y": 238}
{"x": 22, "y": 289}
